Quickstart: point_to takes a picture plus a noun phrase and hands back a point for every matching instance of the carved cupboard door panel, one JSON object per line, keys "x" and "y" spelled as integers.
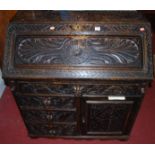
{"x": 106, "y": 117}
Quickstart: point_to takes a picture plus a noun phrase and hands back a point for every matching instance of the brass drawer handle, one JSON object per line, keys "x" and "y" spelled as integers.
{"x": 76, "y": 27}
{"x": 52, "y": 131}
{"x": 47, "y": 101}
{"x": 49, "y": 117}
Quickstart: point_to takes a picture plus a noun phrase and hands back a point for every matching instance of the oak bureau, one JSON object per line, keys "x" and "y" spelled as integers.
{"x": 78, "y": 74}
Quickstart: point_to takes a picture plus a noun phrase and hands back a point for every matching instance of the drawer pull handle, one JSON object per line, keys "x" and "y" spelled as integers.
{"x": 52, "y": 131}
{"x": 116, "y": 98}
{"x": 47, "y": 101}
{"x": 49, "y": 117}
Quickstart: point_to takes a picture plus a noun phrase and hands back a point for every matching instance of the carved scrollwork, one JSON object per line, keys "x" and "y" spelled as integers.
{"x": 79, "y": 51}
{"x": 110, "y": 90}
{"x": 46, "y": 116}
{"x": 70, "y": 27}
{"x": 53, "y": 130}
{"x": 46, "y": 88}
{"x": 142, "y": 64}
{"x": 107, "y": 117}
{"x": 45, "y": 102}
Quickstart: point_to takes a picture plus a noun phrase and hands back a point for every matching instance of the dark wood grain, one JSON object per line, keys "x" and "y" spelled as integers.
{"x": 78, "y": 74}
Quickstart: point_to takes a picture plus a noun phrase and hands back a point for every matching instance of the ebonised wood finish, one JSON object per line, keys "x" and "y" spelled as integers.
{"x": 78, "y": 74}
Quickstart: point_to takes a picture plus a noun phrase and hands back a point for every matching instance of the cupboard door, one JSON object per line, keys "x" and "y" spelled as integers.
{"x": 106, "y": 117}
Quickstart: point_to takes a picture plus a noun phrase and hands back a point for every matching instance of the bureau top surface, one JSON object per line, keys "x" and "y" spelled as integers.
{"x": 78, "y": 16}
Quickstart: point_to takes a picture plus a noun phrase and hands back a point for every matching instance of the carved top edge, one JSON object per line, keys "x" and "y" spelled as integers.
{"x": 83, "y": 28}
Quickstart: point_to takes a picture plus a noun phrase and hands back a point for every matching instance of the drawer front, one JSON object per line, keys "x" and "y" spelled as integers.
{"x": 113, "y": 89}
{"x": 45, "y": 102}
{"x": 48, "y": 116}
{"x": 82, "y": 51}
{"x": 51, "y": 130}
{"x": 46, "y": 88}
{"x": 80, "y": 88}
{"x": 83, "y": 88}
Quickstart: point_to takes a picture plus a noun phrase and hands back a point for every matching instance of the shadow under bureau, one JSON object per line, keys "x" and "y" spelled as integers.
{"x": 79, "y": 74}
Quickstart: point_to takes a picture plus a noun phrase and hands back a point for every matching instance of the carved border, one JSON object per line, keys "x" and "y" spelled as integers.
{"x": 69, "y": 28}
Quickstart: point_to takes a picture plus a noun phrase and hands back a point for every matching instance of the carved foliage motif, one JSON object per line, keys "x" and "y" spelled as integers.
{"x": 107, "y": 117}
{"x": 66, "y": 89}
{"x": 110, "y": 90}
{"x": 53, "y": 130}
{"x": 45, "y": 88}
{"x": 79, "y": 51}
{"x": 67, "y": 27}
{"x": 48, "y": 116}
{"x": 45, "y": 102}
{"x": 116, "y": 29}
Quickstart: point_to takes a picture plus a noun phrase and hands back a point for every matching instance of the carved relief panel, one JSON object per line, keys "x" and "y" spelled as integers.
{"x": 79, "y": 51}
{"x": 107, "y": 117}
{"x": 52, "y": 130}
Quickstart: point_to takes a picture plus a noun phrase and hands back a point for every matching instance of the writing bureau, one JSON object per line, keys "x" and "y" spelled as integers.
{"x": 79, "y": 74}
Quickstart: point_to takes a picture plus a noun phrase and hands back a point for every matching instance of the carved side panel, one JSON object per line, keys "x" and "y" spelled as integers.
{"x": 79, "y": 51}
{"x": 104, "y": 118}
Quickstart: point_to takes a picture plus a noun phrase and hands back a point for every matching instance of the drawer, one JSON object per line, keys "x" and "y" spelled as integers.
{"x": 45, "y": 102}
{"x": 52, "y": 130}
{"x": 48, "y": 116}
{"x": 116, "y": 89}
{"x": 46, "y": 88}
